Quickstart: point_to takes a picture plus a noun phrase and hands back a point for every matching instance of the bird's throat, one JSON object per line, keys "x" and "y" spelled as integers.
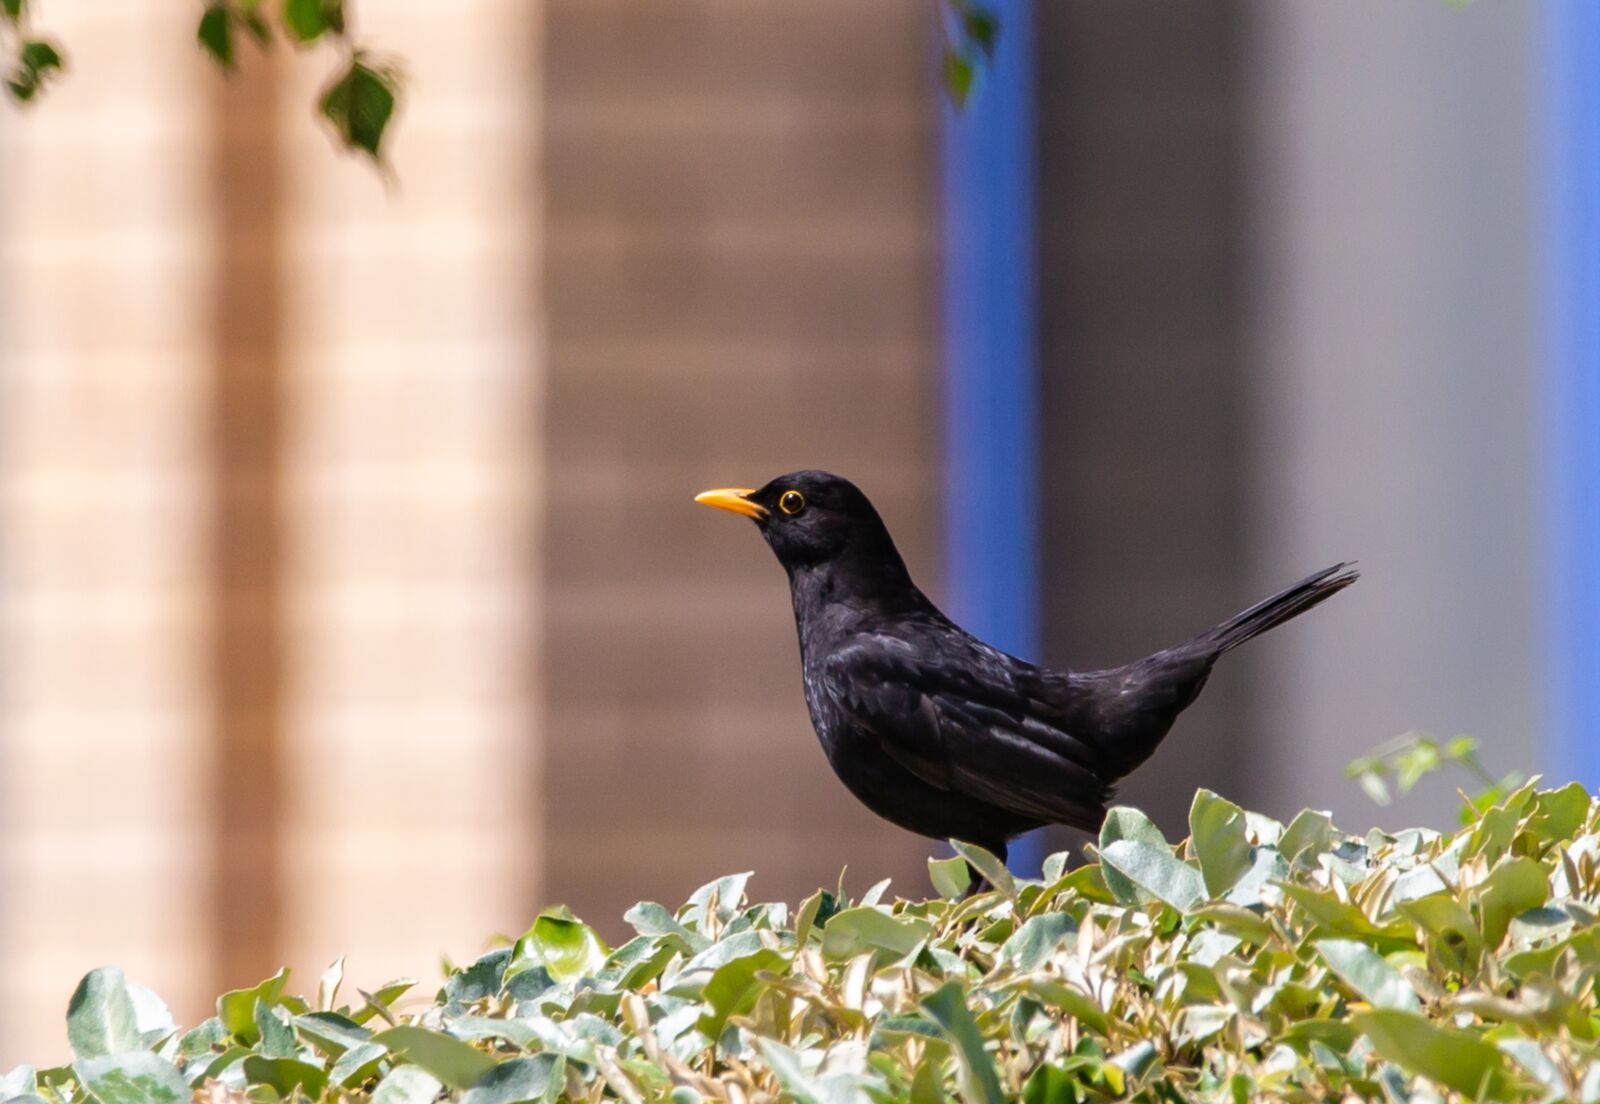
{"x": 851, "y": 594}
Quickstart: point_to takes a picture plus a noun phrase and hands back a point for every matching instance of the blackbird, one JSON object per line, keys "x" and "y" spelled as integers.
{"x": 931, "y": 728}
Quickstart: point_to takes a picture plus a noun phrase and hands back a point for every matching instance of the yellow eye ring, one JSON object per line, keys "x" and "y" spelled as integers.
{"x": 791, "y": 502}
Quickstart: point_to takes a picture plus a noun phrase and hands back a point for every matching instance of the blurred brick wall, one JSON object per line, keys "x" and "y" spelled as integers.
{"x": 268, "y": 474}
{"x": 740, "y": 263}
{"x": 412, "y": 382}
{"x": 104, "y": 710}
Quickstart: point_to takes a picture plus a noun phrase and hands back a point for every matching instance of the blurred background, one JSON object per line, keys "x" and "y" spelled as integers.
{"x": 351, "y": 596}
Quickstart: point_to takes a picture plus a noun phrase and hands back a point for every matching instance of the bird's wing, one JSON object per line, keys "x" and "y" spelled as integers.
{"x": 959, "y": 716}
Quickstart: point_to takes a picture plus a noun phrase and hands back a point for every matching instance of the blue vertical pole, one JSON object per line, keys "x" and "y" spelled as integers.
{"x": 990, "y": 346}
{"x": 1572, "y": 245}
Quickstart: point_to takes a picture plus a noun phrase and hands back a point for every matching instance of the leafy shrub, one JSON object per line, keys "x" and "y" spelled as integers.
{"x": 1255, "y": 960}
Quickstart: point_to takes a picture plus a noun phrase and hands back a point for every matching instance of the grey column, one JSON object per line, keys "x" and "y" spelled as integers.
{"x": 1394, "y": 409}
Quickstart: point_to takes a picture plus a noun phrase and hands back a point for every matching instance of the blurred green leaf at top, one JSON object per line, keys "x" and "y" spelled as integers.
{"x": 360, "y": 104}
{"x": 309, "y": 20}
{"x": 971, "y": 34}
{"x": 36, "y": 63}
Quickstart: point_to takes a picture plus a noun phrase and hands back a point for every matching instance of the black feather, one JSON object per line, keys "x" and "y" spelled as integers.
{"x": 1282, "y": 606}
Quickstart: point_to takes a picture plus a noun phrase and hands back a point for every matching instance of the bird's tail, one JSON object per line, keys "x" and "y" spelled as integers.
{"x": 1280, "y": 607}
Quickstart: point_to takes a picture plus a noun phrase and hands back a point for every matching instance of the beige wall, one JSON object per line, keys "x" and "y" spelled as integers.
{"x": 391, "y": 339}
{"x": 413, "y": 374}
{"x": 104, "y": 245}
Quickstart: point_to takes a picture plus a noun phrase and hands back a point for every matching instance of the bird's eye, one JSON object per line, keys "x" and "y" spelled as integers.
{"x": 791, "y": 502}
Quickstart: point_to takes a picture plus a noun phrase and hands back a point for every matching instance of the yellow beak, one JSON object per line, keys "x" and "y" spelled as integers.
{"x": 735, "y": 499}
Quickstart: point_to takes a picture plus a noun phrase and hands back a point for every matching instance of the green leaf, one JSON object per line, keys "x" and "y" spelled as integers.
{"x": 653, "y": 920}
{"x": 1560, "y": 813}
{"x": 1235, "y": 920}
{"x": 357, "y": 1064}
{"x": 988, "y": 866}
{"x": 1452, "y": 1057}
{"x": 1337, "y": 1035}
{"x": 791, "y": 1073}
{"x": 855, "y": 930}
{"x": 1531, "y": 1057}
{"x": 1217, "y": 834}
{"x": 1058, "y": 994}
{"x": 285, "y": 1075}
{"x": 136, "y": 1078}
{"x": 480, "y": 981}
{"x": 1584, "y": 945}
{"x": 959, "y": 76}
{"x": 277, "y": 1036}
{"x": 521, "y": 1081}
{"x": 248, "y": 15}
{"x": 1056, "y": 865}
{"x": 237, "y": 1008}
{"x": 1031, "y": 945}
{"x": 1123, "y": 822}
{"x": 215, "y": 34}
{"x": 1415, "y": 762}
{"x": 450, "y": 1060}
{"x": 805, "y": 919}
{"x": 1373, "y": 785}
{"x": 927, "y": 1084}
{"x": 21, "y": 1081}
{"x": 1368, "y": 974}
{"x": 1051, "y": 1085}
{"x": 305, "y": 19}
{"x": 638, "y": 970}
{"x": 717, "y": 902}
{"x": 1089, "y": 882}
{"x": 1266, "y": 869}
{"x": 385, "y": 996}
{"x": 331, "y": 1032}
{"x": 1516, "y": 885}
{"x": 328, "y": 984}
{"x": 951, "y": 877}
{"x": 1137, "y": 1059}
{"x": 40, "y": 56}
{"x": 231, "y": 1057}
{"x": 568, "y": 948}
{"x": 407, "y": 1085}
{"x": 1448, "y": 923}
{"x": 100, "y": 1017}
{"x": 12, "y": 10}
{"x": 1157, "y": 872}
{"x": 733, "y": 987}
{"x": 1340, "y": 918}
{"x": 37, "y": 62}
{"x": 1309, "y": 831}
{"x": 981, "y": 27}
{"x": 979, "y": 1082}
{"x": 200, "y": 1039}
{"x": 360, "y": 104}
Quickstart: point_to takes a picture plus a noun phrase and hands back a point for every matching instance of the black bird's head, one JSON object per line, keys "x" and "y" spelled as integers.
{"x": 816, "y": 519}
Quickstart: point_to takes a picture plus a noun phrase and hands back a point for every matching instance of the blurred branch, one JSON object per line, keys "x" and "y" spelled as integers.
{"x": 357, "y": 102}
{"x": 1406, "y": 760}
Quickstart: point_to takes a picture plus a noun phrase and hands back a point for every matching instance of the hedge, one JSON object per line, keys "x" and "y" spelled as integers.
{"x": 1255, "y": 960}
